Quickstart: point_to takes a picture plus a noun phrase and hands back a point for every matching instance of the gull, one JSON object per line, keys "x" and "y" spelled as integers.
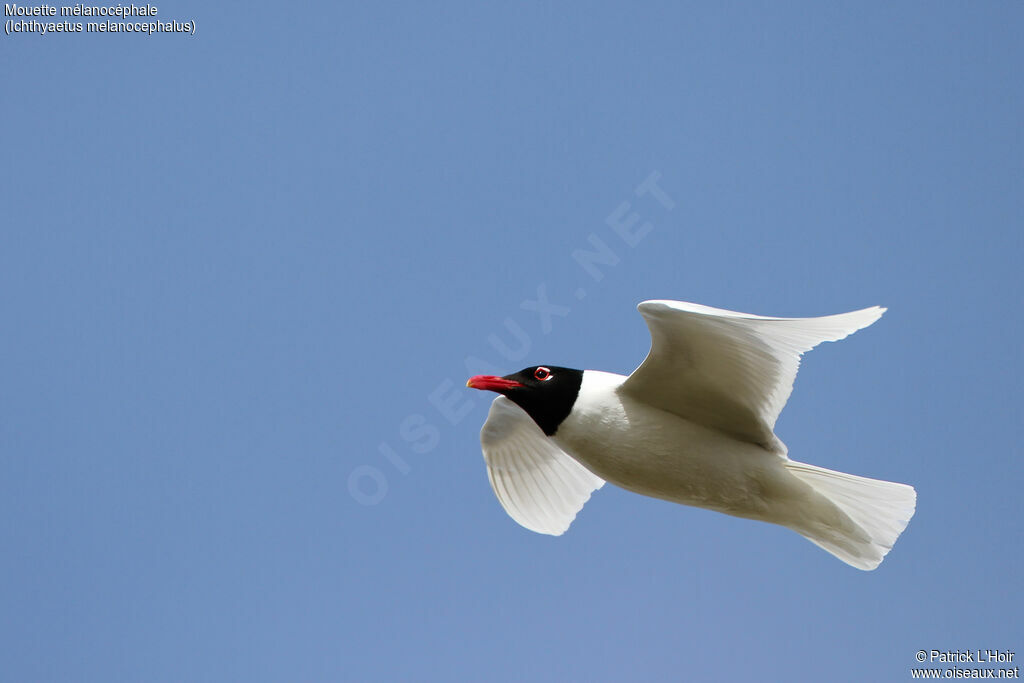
{"x": 693, "y": 424}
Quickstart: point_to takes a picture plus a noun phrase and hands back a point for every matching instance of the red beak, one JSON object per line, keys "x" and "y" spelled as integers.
{"x": 492, "y": 383}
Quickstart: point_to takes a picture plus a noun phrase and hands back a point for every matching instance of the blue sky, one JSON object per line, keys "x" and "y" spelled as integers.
{"x": 238, "y": 267}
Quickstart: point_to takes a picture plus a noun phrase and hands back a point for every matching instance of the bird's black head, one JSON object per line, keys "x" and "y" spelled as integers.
{"x": 546, "y": 392}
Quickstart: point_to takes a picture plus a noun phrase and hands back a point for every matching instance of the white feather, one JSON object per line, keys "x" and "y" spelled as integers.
{"x": 879, "y": 510}
{"x": 730, "y": 371}
{"x": 539, "y": 486}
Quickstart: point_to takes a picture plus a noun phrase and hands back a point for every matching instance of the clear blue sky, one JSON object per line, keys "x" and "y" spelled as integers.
{"x": 233, "y": 265}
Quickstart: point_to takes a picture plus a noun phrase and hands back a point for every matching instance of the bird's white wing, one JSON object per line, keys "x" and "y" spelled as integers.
{"x": 730, "y": 371}
{"x": 537, "y": 483}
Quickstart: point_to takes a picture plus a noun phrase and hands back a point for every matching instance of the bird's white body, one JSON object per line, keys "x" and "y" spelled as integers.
{"x": 694, "y": 424}
{"x": 654, "y": 453}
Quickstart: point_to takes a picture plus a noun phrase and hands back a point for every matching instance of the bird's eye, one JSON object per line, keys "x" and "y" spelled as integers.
{"x": 542, "y": 374}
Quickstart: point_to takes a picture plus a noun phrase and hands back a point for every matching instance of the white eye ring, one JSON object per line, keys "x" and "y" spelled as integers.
{"x": 543, "y": 374}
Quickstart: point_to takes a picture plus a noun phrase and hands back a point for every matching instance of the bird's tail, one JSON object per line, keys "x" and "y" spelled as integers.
{"x": 874, "y": 514}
